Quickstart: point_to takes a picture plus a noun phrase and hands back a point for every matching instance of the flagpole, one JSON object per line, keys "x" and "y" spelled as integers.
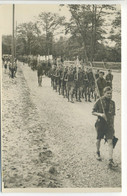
{"x": 77, "y": 66}
{"x": 15, "y": 38}
{"x": 13, "y": 34}
{"x": 98, "y": 90}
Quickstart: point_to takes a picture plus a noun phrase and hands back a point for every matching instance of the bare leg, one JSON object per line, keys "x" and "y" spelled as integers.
{"x": 110, "y": 149}
{"x": 98, "y": 144}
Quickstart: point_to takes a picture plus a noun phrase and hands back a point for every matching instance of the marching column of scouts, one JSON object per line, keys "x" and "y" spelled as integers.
{"x": 83, "y": 84}
{"x": 70, "y": 84}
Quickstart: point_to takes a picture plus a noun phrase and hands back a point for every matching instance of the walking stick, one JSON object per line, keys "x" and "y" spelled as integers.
{"x": 98, "y": 90}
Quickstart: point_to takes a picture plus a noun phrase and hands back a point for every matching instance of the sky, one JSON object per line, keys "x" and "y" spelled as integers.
{"x": 29, "y": 12}
{"x": 26, "y": 13}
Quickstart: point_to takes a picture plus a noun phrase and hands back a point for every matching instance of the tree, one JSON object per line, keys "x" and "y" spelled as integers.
{"x": 49, "y": 23}
{"x": 115, "y": 33}
{"x": 6, "y": 44}
{"x": 29, "y": 34}
{"x": 87, "y": 22}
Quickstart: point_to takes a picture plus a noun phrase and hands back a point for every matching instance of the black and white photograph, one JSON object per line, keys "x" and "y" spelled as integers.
{"x": 61, "y": 97}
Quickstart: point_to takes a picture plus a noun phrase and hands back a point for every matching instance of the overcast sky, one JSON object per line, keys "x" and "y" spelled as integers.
{"x": 29, "y": 12}
{"x": 26, "y": 13}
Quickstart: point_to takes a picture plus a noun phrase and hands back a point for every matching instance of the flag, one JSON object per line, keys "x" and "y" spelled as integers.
{"x": 50, "y": 57}
{"x": 38, "y": 58}
{"x": 77, "y": 63}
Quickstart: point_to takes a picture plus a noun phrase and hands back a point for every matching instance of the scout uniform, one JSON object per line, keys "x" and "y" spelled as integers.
{"x": 101, "y": 83}
{"x": 57, "y": 79}
{"x": 80, "y": 83}
{"x": 39, "y": 73}
{"x": 105, "y": 128}
{"x": 70, "y": 84}
{"x": 5, "y": 66}
{"x": 86, "y": 85}
{"x": 65, "y": 82}
{"x": 109, "y": 78}
{"x": 91, "y": 83}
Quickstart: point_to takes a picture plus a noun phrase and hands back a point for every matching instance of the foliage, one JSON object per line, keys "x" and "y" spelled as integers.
{"x": 49, "y": 23}
{"x": 86, "y": 29}
{"x": 6, "y": 44}
{"x": 87, "y": 22}
{"x": 116, "y": 31}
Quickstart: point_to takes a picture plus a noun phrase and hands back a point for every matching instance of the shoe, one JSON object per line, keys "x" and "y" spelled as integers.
{"x": 98, "y": 156}
{"x": 114, "y": 141}
{"x": 112, "y": 164}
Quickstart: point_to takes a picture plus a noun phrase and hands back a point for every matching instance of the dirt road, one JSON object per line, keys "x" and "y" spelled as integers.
{"x": 49, "y": 142}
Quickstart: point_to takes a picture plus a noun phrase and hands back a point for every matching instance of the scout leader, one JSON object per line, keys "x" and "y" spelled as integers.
{"x": 101, "y": 83}
{"x": 39, "y": 73}
{"x": 109, "y": 78}
{"x": 104, "y": 109}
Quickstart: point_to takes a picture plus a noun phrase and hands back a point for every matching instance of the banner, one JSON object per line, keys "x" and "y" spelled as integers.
{"x": 50, "y": 57}
{"x": 42, "y": 58}
{"x": 77, "y": 62}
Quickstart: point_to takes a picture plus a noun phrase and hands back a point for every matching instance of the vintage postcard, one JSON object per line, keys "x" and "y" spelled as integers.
{"x": 61, "y": 97}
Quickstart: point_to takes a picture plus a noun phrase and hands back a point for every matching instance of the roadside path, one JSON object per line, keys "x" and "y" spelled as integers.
{"x": 53, "y": 139}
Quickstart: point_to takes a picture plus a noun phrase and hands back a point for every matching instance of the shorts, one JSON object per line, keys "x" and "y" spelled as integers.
{"x": 39, "y": 79}
{"x": 70, "y": 85}
{"x": 104, "y": 129}
{"x": 5, "y": 66}
{"x": 80, "y": 85}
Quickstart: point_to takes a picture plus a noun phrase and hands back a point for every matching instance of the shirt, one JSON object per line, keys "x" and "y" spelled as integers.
{"x": 101, "y": 82}
{"x": 108, "y": 106}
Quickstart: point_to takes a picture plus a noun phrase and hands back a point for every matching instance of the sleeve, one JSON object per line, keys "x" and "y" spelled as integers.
{"x": 97, "y": 83}
{"x": 114, "y": 109}
{"x": 96, "y": 107}
{"x": 75, "y": 77}
{"x": 105, "y": 83}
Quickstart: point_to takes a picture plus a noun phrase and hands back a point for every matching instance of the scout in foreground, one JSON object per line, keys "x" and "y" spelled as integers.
{"x": 104, "y": 109}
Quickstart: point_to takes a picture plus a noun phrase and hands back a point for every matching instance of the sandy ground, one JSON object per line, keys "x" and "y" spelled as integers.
{"x": 49, "y": 142}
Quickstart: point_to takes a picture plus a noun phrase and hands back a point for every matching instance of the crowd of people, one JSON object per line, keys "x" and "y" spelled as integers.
{"x": 85, "y": 83}
{"x": 77, "y": 82}
{"x": 9, "y": 65}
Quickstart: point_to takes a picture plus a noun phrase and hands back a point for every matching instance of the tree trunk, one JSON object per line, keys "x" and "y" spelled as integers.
{"x": 92, "y": 35}
{"x": 85, "y": 52}
{"x": 95, "y": 30}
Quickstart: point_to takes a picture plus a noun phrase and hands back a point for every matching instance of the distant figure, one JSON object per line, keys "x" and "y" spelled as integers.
{"x": 39, "y": 73}
{"x": 5, "y": 66}
{"x": 97, "y": 74}
{"x": 3, "y": 59}
{"x": 104, "y": 109}
{"x": 79, "y": 78}
{"x": 91, "y": 83}
{"x": 86, "y": 86}
{"x": 11, "y": 70}
{"x": 109, "y": 78}
{"x": 15, "y": 67}
{"x": 101, "y": 83}
{"x": 9, "y": 66}
{"x": 70, "y": 85}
